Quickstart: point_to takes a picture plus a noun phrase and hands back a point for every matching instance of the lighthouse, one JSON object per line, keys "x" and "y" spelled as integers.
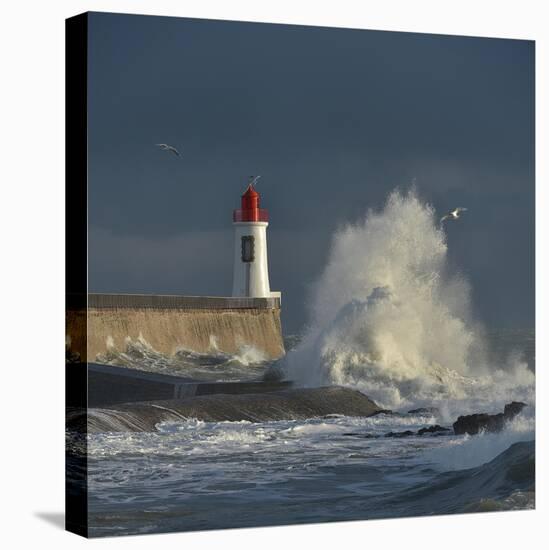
{"x": 251, "y": 271}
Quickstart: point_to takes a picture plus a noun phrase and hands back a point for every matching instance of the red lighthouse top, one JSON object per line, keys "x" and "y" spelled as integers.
{"x": 250, "y": 211}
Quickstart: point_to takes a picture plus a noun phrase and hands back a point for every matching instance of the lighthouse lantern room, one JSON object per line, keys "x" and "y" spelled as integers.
{"x": 251, "y": 272}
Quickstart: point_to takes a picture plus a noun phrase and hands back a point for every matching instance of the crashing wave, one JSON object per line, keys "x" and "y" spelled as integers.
{"x": 247, "y": 364}
{"x": 388, "y": 317}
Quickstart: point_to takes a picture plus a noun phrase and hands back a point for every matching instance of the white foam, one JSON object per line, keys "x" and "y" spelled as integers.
{"x": 471, "y": 451}
{"x": 389, "y": 318}
{"x": 250, "y": 355}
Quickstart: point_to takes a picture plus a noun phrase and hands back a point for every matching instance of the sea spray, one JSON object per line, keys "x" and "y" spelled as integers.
{"x": 248, "y": 363}
{"x": 388, "y": 317}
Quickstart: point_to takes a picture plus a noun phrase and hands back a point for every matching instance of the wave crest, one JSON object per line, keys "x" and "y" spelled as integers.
{"x": 390, "y": 318}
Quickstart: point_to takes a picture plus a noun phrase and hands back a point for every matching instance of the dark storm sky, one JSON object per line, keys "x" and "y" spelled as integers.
{"x": 333, "y": 120}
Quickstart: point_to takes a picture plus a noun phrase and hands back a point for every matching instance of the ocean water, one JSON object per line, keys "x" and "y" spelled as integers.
{"x": 216, "y": 366}
{"x": 194, "y": 475}
{"x": 388, "y": 318}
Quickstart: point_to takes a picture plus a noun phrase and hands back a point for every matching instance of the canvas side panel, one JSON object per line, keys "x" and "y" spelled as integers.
{"x": 76, "y": 70}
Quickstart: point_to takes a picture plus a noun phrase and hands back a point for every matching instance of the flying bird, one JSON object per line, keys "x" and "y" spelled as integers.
{"x": 166, "y": 147}
{"x": 453, "y": 215}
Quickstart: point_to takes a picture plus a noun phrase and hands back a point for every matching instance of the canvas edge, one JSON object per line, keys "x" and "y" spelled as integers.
{"x": 76, "y": 260}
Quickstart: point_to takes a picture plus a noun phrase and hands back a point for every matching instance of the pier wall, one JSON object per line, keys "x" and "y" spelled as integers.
{"x": 169, "y": 323}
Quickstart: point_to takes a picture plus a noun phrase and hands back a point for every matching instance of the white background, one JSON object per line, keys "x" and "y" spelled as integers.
{"x": 32, "y": 270}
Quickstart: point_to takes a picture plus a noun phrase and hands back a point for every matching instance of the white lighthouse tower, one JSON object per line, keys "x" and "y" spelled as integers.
{"x": 251, "y": 271}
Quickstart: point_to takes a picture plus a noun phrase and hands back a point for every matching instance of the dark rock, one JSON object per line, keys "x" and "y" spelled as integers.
{"x": 512, "y": 409}
{"x": 432, "y": 411}
{"x": 437, "y": 430}
{"x": 472, "y": 424}
{"x": 433, "y": 429}
{"x": 407, "y": 433}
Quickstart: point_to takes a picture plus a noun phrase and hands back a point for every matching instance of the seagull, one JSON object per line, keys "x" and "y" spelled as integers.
{"x": 252, "y": 180}
{"x": 166, "y": 147}
{"x": 453, "y": 215}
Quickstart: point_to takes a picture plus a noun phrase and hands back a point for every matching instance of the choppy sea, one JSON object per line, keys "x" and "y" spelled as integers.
{"x": 194, "y": 475}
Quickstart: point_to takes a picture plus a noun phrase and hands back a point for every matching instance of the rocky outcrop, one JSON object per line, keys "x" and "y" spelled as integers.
{"x": 512, "y": 409}
{"x": 427, "y": 411}
{"x": 435, "y": 430}
{"x": 406, "y": 433}
{"x": 473, "y": 424}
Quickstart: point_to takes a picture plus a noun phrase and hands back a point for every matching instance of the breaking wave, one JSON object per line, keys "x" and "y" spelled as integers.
{"x": 389, "y": 318}
{"x": 471, "y": 451}
{"x": 249, "y": 363}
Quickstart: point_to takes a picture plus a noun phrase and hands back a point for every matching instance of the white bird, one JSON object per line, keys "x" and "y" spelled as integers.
{"x": 166, "y": 147}
{"x": 252, "y": 180}
{"x": 454, "y": 214}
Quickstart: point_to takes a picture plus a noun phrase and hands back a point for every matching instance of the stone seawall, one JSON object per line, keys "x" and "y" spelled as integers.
{"x": 286, "y": 404}
{"x": 169, "y": 323}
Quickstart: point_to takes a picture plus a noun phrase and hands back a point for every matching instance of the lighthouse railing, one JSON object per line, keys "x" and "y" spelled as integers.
{"x": 255, "y": 215}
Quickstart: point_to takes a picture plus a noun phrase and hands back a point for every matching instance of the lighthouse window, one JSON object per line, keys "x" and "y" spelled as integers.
{"x": 248, "y": 248}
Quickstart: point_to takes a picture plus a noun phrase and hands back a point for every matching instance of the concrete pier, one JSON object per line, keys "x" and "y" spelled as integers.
{"x": 98, "y": 322}
{"x": 286, "y": 404}
{"x": 108, "y": 385}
